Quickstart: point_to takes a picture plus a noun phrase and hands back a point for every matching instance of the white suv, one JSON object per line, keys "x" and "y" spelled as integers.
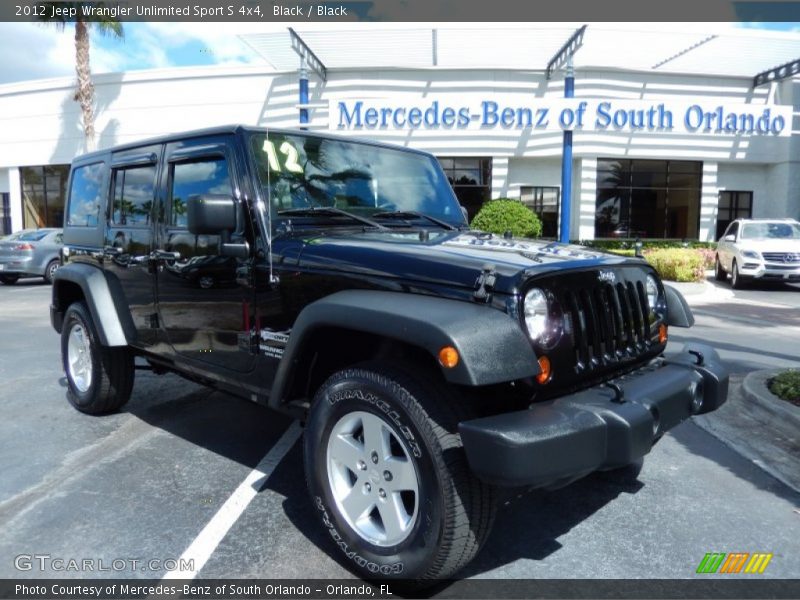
{"x": 766, "y": 249}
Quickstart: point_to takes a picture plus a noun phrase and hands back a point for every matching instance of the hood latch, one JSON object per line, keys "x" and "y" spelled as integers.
{"x": 485, "y": 284}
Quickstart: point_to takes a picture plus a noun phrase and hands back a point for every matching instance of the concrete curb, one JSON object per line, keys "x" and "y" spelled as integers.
{"x": 760, "y": 427}
{"x": 755, "y": 389}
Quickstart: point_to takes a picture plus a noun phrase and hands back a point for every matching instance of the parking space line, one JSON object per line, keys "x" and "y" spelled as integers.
{"x": 200, "y": 550}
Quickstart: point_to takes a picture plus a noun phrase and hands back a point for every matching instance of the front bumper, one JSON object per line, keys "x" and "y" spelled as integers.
{"x": 772, "y": 271}
{"x": 555, "y": 442}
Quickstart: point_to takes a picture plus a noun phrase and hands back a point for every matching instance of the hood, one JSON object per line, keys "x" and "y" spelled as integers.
{"x": 449, "y": 258}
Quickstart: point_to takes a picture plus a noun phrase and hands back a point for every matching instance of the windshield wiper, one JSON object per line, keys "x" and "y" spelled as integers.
{"x": 328, "y": 211}
{"x": 406, "y": 214}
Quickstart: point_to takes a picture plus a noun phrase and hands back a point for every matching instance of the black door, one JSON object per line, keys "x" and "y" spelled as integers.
{"x": 204, "y": 297}
{"x": 129, "y": 235}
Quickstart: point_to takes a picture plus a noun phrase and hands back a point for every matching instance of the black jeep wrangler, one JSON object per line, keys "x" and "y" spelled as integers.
{"x": 339, "y": 282}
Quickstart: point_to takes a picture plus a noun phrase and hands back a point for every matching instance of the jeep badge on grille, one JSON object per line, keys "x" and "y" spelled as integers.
{"x": 607, "y": 276}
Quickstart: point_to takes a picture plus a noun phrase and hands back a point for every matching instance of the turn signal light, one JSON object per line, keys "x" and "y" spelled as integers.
{"x": 546, "y": 370}
{"x": 662, "y": 334}
{"x": 448, "y": 357}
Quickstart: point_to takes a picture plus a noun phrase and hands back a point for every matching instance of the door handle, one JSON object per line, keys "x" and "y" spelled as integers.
{"x": 157, "y": 255}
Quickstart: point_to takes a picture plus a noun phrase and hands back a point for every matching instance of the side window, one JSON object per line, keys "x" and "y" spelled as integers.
{"x": 203, "y": 176}
{"x": 85, "y": 196}
{"x": 133, "y": 195}
{"x": 732, "y": 230}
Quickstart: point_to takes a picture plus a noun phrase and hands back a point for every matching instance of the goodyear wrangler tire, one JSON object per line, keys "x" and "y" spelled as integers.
{"x": 99, "y": 379}
{"x": 389, "y": 478}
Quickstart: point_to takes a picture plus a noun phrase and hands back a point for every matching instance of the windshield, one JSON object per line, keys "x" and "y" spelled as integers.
{"x": 770, "y": 231}
{"x": 300, "y": 172}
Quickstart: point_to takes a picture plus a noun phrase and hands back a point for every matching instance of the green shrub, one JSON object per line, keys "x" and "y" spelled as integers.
{"x": 646, "y": 244}
{"x": 677, "y": 264}
{"x": 503, "y": 214}
{"x": 786, "y": 385}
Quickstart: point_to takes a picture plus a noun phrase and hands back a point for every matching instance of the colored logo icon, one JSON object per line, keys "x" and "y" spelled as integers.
{"x": 734, "y": 562}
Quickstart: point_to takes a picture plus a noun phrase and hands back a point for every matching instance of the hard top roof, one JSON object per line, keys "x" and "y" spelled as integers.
{"x": 232, "y": 130}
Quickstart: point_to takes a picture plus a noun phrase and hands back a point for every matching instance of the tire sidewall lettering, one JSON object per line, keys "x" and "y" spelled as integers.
{"x": 358, "y": 394}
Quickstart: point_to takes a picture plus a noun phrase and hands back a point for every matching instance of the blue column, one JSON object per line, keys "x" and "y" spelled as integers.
{"x": 566, "y": 163}
{"x": 303, "y": 93}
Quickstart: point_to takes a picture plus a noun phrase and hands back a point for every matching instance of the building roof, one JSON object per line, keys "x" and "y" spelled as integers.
{"x": 697, "y": 49}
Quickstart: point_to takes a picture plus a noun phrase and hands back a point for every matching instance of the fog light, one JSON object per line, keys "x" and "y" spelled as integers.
{"x": 448, "y": 357}
{"x": 546, "y": 370}
{"x": 662, "y": 334}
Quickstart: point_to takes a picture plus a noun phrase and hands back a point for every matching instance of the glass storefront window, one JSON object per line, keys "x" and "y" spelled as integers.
{"x": 644, "y": 198}
{"x": 471, "y": 179}
{"x": 43, "y": 195}
{"x": 5, "y": 214}
{"x": 544, "y": 201}
{"x": 733, "y": 205}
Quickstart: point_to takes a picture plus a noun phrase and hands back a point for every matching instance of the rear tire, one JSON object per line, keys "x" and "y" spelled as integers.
{"x": 9, "y": 279}
{"x": 99, "y": 378}
{"x": 50, "y": 270}
{"x": 444, "y": 513}
{"x": 719, "y": 272}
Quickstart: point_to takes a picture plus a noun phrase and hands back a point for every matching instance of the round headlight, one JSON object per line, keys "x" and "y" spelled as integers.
{"x": 536, "y": 311}
{"x": 651, "y": 288}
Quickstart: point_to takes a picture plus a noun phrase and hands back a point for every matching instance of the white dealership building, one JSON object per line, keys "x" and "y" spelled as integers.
{"x": 674, "y": 132}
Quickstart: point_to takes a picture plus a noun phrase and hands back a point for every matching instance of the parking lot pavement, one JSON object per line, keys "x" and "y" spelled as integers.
{"x": 144, "y": 483}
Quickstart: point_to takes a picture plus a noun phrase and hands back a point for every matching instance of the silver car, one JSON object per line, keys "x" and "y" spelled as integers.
{"x": 759, "y": 249}
{"x": 31, "y": 253}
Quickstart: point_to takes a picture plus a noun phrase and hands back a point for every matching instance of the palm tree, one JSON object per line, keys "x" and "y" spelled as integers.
{"x": 84, "y": 91}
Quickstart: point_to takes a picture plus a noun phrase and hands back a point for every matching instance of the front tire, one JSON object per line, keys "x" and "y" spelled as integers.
{"x": 736, "y": 280}
{"x": 719, "y": 272}
{"x": 389, "y": 478}
{"x": 99, "y": 378}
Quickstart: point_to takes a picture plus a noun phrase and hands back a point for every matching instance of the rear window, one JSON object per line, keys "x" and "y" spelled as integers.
{"x": 85, "y": 196}
{"x": 33, "y": 236}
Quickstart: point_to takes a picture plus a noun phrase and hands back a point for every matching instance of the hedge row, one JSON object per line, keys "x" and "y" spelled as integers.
{"x": 677, "y": 264}
{"x": 624, "y": 244}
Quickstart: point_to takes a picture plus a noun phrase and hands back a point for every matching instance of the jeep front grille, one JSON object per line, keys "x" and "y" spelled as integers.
{"x": 607, "y": 323}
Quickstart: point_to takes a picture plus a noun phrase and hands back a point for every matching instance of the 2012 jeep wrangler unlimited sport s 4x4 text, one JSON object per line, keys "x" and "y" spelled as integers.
{"x": 339, "y": 282}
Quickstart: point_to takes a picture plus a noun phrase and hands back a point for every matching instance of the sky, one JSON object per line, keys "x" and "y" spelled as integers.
{"x": 47, "y": 52}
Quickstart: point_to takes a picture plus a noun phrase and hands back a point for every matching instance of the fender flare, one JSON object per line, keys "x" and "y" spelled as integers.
{"x": 491, "y": 345}
{"x": 679, "y": 313}
{"x": 105, "y": 299}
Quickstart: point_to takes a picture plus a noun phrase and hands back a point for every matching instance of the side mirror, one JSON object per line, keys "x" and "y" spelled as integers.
{"x": 211, "y": 214}
{"x": 730, "y": 238}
